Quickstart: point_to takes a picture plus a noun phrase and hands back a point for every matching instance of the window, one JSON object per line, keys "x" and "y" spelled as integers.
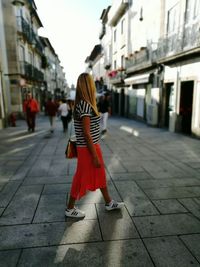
{"x": 122, "y": 26}
{"x": 21, "y": 53}
{"x": 192, "y": 10}
{"x": 122, "y": 62}
{"x": 196, "y": 9}
{"x": 30, "y": 55}
{"x": 115, "y": 64}
{"x": 188, "y": 11}
{"x": 115, "y": 35}
{"x": 173, "y": 19}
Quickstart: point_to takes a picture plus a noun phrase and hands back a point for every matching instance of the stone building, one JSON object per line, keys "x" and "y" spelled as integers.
{"x": 28, "y": 62}
{"x": 154, "y": 62}
{"x": 178, "y": 51}
{"x": 5, "y": 102}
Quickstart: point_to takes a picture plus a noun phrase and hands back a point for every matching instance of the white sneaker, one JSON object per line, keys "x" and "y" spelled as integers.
{"x": 114, "y": 205}
{"x": 74, "y": 213}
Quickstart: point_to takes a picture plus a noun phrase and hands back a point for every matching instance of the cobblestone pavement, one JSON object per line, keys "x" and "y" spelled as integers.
{"x": 156, "y": 173}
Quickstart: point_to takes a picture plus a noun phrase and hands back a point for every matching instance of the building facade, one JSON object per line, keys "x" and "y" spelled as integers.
{"x": 154, "y": 62}
{"x": 5, "y": 102}
{"x": 28, "y": 66}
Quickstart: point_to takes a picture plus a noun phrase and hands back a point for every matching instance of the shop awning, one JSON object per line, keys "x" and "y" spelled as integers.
{"x": 137, "y": 79}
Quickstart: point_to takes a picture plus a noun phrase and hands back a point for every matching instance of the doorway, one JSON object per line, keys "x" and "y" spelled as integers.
{"x": 169, "y": 105}
{"x": 122, "y": 102}
{"x": 186, "y": 102}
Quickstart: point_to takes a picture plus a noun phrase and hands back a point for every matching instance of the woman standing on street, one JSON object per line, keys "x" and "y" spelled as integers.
{"x": 90, "y": 173}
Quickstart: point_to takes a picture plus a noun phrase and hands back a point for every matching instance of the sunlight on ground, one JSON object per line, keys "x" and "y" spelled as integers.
{"x": 95, "y": 198}
{"x": 129, "y": 130}
{"x": 15, "y": 133}
{"x": 16, "y": 150}
{"x": 27, "y": 135}
{"x": 69, "y": 232}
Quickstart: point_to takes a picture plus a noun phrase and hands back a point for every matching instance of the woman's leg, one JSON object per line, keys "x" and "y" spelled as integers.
{"x": 105, "y": 194}
{"x": 71, "y": 203}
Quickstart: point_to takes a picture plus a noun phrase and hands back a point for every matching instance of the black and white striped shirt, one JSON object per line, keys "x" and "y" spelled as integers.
{"x": 84, "y": 109}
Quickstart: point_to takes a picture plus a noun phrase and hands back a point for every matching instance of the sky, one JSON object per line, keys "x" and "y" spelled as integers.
{"x": 73, "y": 28}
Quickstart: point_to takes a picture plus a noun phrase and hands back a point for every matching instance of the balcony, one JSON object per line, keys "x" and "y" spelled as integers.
{"x": 24, "y": 27}
{"x": 30, "y": 72}
{"x": 36, "y": 42}
{"x": 117, "y": 11}
{"x": 117, "y": 77}
{"x": 140, "y": 60}
{"x": 184, "y": 42}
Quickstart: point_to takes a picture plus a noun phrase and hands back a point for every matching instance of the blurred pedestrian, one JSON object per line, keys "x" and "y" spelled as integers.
{"x": 64, "y": 109}
{"x": 90, "y": 173}
{"x": 30, "y": 108}
{"x": 104, "y": 109}
{"x": 51, "y": 109}
{"x": 70, "y": 111}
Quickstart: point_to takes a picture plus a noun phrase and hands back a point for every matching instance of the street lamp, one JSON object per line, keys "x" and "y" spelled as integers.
{"x": 18, "y": 3}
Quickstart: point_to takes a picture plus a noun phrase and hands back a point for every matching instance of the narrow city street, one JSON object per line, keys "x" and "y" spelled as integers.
{"x": 156, "y": 173}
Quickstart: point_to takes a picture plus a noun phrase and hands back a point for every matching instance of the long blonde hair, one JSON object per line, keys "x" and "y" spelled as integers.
{"x": 86, "y": 90}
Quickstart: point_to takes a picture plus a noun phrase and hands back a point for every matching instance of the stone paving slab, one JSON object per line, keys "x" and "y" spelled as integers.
{"x": 116, "y": 225}
{"x": 2, "y": 186}
{"x": 40, "y": 167}
{"x": 34, "y": 235}
{"x": 156, "y": 173}
{"x": 173, "y": 192}
{"x": 9, "y": 258}
{"x": 7, "y": 193}
{"x": 152, "y": 183}
{"x": 136, "y": 201}
{"x": 170, "y": 251}
{"x": 1, "y": 211}
{"x": 162, "y": 225}
{"x": 31, "y": 180}
{"x": 51, "y": 208}
{"x": 168, "y": 206}
{"x": 21, "y": 173}
{"x": 131, "y": 176}
{"x": 58, "y": 169}
{"x": 56, "y": 188}
{"x": 192, "y": 204}
{"x": 194, "y": 164}
{"x": 127, "y": 253}
{"x": 193, "y": 244}
{"x": 22, "y": 208}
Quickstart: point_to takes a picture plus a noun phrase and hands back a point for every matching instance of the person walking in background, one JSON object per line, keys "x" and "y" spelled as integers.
{"x": 64, "y": 109}
{"x": 30, "y": 108}
{"x": 90, "y": 172}
{"x": 69, "y": 115}
{"x": 104, "y": 109}
{"x": 51, "y": 110}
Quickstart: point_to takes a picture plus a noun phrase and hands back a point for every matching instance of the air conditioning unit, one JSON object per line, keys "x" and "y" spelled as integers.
{"x": 152, "y": 115}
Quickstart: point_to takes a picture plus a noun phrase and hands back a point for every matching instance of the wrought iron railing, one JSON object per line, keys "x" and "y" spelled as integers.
{"x": 30, "y": 72}
{"x": 117, "y": 77}
{"x": 26, "y": 29}
{"x": 185, "y": 39}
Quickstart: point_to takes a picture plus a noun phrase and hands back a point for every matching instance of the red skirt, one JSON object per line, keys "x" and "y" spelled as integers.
{"x": 87, "y": 177}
